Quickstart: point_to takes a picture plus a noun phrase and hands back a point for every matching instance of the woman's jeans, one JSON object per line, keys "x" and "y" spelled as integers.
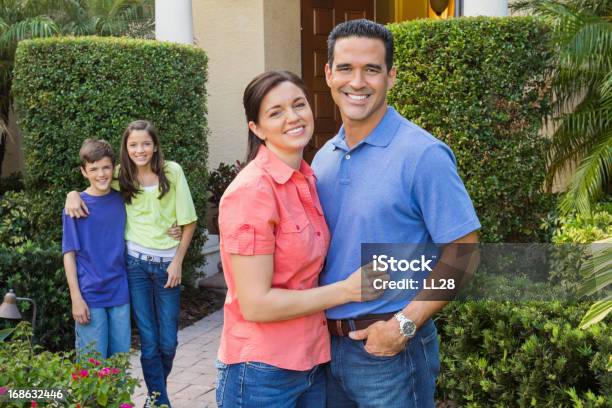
{"x": 255, "y": 385}
{"x": 156, "y": 312}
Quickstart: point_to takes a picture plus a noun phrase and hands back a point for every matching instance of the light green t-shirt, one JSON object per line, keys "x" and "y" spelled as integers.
{"x": 148, "y": 218}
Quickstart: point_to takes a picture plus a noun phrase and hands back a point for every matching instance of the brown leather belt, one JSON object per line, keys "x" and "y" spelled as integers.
{"x": 343, "y": 327}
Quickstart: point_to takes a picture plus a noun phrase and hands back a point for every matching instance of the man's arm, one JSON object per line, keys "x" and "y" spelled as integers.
{"x": 384, "y": 338}
{"x": 80, "y": 310}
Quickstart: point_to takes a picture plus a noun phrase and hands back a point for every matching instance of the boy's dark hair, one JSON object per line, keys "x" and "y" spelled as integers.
{"x": 93, "y": 150}
{"x": 361, "y": 28}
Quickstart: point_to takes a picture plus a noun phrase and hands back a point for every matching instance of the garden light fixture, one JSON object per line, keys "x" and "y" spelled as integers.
{"x": 9, "y": 309}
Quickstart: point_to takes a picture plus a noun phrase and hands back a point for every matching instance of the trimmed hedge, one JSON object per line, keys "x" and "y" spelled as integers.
{"x": 477, "y": 84}
{"x": 500, "y": 354}
{"x": 68, "y": 89}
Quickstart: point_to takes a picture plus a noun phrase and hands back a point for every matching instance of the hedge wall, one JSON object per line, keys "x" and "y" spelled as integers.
{"x": 68, "y": 89}
{"x": 477, "y": 84}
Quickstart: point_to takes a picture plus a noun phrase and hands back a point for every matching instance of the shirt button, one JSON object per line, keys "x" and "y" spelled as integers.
{"x": 347, "y": 157}
{"x": 297, "y": 227}
{"x": 318, "y": 233}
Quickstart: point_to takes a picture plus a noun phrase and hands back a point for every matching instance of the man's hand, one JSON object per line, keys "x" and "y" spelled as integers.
{"x": 80, "y": 311}
{"x": 174, "y": 274}
{"x": 383, "y": 338}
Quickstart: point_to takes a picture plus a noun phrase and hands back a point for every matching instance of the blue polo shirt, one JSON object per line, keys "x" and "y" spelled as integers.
{"x": 398, "y": 185}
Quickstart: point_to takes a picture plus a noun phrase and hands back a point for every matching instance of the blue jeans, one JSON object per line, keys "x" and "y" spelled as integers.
{"x": 108, "y": 331}
{"x": 254, "y": 385}
{"x": 156, "y": 312}
{"x": 355, "y": 378}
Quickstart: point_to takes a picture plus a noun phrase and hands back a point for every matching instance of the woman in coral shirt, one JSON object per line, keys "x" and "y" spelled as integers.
{"x": 273, "y": 244}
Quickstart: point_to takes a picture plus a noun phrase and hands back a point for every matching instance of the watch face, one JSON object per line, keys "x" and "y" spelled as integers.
{"x": 408, "y": 328}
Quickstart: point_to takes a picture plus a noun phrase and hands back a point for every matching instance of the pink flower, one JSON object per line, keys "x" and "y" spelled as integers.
{"x": 84, "y": 373}
{"x": 34, "y": 404}
{"x": 126, "y": 405}
{"x": 115, "y": 371}
{"x": 3, "y": 390}
{"x": 94, "y": 361}
{"x": 104, "y": 372}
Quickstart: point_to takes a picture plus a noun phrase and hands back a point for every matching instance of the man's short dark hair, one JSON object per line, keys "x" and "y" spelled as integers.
{"x": 93, "y": 150}
{"x": 361, "y": 28}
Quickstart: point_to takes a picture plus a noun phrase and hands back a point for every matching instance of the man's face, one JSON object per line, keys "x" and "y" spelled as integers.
{"x": 359, "y": 80}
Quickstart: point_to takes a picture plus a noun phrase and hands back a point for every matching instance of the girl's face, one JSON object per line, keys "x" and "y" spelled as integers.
{"x": 285, "y": 120}
{"x": 140, "y": 148}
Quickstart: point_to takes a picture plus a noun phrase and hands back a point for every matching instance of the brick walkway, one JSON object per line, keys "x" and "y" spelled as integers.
{"x": 192, "y": 381}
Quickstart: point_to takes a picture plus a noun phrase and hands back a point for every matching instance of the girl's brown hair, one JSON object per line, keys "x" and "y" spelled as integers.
{"x": 254, "y": 94}
{"x": 128, "y": 183}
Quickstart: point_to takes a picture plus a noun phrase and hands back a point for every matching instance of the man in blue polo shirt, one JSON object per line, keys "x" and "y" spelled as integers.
{"x": 382, "y": 179}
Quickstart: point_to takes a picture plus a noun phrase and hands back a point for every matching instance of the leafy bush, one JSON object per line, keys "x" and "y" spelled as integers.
{"x": 499, "y": 354}
{"x": 12, "y": 182}
{"x": 38, "y": 273}
{"x": 88, "y": 383}
{"x": 67, "y": 89}
{"x": 571, "y": 234}
{"x": 478, "y": 84}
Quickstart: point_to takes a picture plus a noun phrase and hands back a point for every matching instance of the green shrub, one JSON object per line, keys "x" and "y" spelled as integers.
{"x": 477, "y": 84}
{"x": 68, "y": 89}
{"x": 90, "y": 383}
{"x": 500, "y": 354}
{"x": 571, "y": 234}
{"x": 38, "y": 273}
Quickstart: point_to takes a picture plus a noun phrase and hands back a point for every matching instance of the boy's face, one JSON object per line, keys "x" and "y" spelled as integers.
{"x": 99, "y": 174}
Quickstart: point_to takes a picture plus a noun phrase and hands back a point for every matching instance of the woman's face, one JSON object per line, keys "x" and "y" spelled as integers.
{"x": 285, "y": 120}
{"x": 140, "y": 147}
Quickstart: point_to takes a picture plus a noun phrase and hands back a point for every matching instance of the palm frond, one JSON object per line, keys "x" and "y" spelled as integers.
{"x": 590, "y": 178}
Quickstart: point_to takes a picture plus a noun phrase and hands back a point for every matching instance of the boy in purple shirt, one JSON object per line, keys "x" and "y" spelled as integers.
{"x": 94, "y": 258}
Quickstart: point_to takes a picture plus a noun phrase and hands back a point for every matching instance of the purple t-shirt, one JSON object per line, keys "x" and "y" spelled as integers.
{"x": 99, "y": 243}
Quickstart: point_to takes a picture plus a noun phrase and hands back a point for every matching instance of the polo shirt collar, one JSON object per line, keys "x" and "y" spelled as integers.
{"x": 382, "y": 134}
{"x": 278, "y": 169}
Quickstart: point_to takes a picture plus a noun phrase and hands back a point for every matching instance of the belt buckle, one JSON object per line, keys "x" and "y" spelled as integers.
{"x": 149, "y": 258}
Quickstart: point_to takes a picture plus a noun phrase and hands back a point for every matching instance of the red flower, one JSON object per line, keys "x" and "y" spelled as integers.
{"x": 34, "y": 404}
{"x": 84, "y": 373}
{"x": 78, "y": 405}
{"x": 94, "y": 361}
{"x": 75, "y": 376}
{"x": 115, "y": 371}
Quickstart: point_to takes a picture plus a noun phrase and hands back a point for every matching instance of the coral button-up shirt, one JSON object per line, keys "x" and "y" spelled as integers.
{"x": 271, "y": 208}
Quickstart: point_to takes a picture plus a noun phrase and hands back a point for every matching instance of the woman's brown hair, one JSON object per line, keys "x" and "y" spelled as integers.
{"x": 254, "y": 94}
{"x": 128, "y": 183}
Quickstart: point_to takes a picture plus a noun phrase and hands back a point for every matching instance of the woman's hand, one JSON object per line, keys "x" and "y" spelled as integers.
{"x": 74, "y": 205}
{"x": 174, "y": 272}
{"x": 359, "y": 287}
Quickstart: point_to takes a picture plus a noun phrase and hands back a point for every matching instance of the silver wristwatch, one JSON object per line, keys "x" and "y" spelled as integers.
{"x": 407, "y": 327}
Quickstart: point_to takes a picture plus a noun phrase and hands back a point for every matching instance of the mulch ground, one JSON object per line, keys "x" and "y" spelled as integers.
{"x": 196, "y": 303}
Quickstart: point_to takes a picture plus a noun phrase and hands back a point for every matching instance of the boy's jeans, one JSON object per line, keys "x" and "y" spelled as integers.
{"x": 108, "y": 331}
{"x": 259, "y": 385}
{"x": 355, "y": 378}
{"x": 156, "y": 313}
